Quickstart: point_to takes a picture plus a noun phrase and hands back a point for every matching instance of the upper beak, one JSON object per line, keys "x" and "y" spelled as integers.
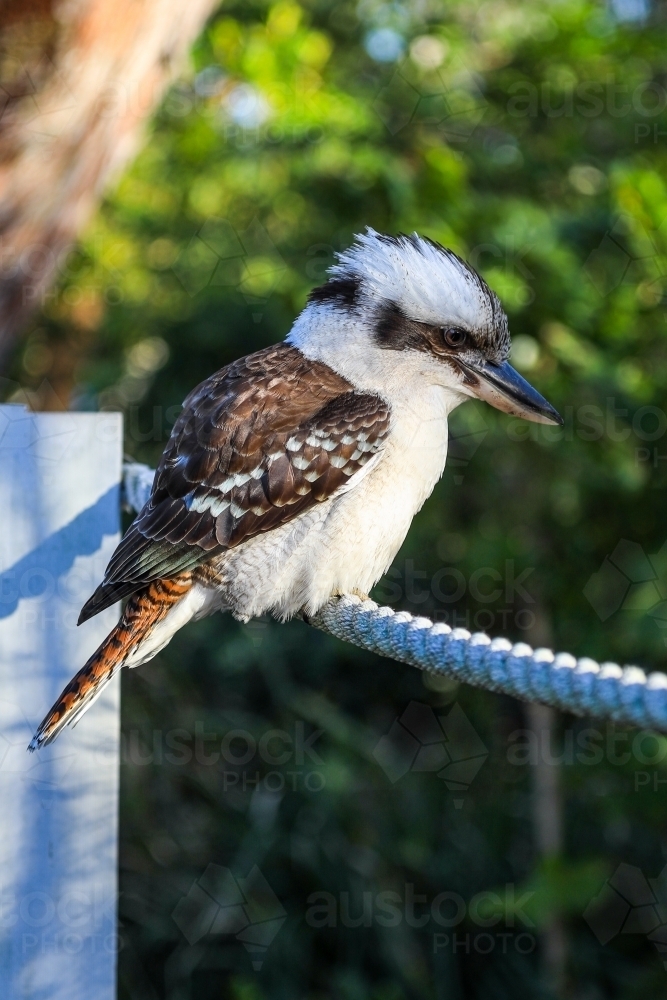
{"x": 503, "y": 387}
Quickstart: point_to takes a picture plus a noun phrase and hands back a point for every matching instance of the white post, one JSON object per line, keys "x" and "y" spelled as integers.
{"x": 59, "y": 522}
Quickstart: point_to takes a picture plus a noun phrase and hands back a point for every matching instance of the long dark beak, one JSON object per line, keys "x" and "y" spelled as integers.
{"x": 503, "y": 387}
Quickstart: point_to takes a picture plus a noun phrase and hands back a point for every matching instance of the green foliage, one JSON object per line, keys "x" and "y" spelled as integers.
{"x": 530, "y": 137}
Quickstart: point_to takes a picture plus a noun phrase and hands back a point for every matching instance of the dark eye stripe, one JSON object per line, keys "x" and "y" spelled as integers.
{"x": 342, "y": 292}
{"x": 394, "y": 331}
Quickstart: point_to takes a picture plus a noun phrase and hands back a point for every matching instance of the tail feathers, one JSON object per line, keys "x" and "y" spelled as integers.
{"x": 144, "y": 611}
{"x": 77, "y": 697}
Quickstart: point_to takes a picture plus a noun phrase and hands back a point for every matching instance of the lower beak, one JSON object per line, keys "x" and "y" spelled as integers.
{"x": 503, "y": 387}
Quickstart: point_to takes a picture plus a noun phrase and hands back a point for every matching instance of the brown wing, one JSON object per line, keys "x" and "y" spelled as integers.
{"x": 256, "y": 444}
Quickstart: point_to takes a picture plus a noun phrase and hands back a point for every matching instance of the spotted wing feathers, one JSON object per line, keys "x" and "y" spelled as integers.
{"x": 257, "y": 444}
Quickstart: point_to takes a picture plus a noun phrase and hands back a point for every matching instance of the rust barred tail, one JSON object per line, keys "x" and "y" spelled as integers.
{"x": 143, "y": 612}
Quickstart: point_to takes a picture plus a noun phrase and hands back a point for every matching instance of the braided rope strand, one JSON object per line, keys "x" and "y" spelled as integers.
{"x": 583, "y": 687}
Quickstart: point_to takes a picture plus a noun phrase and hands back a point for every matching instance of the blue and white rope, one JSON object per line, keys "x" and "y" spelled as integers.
{"x": 583, "y": 687}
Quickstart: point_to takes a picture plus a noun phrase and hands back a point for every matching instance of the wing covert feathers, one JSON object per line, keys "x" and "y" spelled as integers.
{"x": 257, "y": 443}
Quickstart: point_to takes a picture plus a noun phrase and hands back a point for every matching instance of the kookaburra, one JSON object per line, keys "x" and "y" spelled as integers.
{"x": 294, "y": 473}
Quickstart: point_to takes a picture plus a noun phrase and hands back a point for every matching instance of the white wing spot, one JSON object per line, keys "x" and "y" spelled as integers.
{"x": 218, "y": 506}
{"x": 200, "y": 504}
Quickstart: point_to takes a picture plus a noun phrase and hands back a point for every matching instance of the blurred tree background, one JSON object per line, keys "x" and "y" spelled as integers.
{"x": 530, "y": 137}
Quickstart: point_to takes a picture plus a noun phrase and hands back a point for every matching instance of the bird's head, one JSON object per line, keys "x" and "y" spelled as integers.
{"x": 408, "y": 294}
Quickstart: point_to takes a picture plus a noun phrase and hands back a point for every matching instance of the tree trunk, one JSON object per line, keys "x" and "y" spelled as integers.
{"x": 548, "y": 809}
{"x": 77, "y": 80}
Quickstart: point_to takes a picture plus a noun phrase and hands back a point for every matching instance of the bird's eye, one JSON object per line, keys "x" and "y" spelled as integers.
{"x": 453, "y": 336}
